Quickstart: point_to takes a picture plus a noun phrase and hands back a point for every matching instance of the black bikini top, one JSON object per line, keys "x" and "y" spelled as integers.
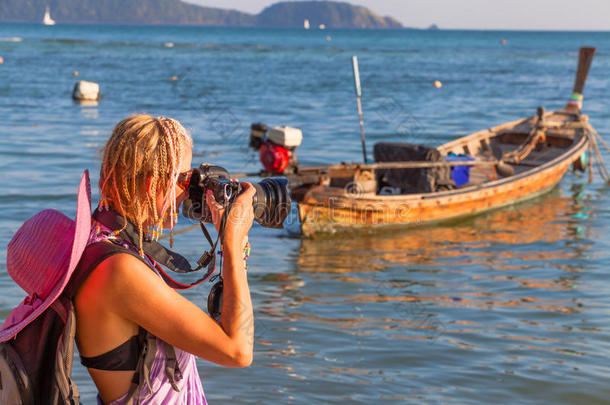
{"x": 122, "y": 358}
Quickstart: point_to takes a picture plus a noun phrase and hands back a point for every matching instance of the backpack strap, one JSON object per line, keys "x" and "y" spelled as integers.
{"x": 142, "y": 374}
{"x": 172, "y": 370}
{"x": 93, "y": 255}
{"x": 65, "y": 391}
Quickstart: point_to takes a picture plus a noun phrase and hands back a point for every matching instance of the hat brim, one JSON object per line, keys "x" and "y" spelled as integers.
{"x": 31, "y": 308}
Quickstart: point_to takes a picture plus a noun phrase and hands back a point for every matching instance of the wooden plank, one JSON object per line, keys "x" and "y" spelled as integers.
{"x": 392, "y": 165}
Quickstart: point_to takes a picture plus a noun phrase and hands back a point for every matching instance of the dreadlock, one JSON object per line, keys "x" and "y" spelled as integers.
{"x": 143, "y": 153}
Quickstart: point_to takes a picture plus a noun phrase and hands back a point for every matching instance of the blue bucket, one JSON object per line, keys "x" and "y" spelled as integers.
{"x": 459, "y": 174}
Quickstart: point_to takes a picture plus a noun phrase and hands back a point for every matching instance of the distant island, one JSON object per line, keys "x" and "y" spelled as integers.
{"x": 322, "y": 13}
{"x": 291, "y": 14}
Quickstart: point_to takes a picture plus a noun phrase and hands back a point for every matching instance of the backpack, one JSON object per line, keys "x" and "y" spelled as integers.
{"x": 36, "y": 366}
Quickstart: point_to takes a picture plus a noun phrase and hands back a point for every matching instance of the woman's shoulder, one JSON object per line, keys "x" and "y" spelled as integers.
{"x": 114, "y": 273}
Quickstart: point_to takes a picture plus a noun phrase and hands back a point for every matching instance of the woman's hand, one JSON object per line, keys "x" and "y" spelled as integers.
{"x": 216, "y": 209}
{"x": 239, "y": 219}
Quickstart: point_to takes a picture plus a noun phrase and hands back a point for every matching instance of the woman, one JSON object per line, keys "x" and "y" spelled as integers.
{"x": 125, "y": 305}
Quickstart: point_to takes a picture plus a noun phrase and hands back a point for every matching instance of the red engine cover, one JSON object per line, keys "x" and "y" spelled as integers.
{"x": 274, "y": 158}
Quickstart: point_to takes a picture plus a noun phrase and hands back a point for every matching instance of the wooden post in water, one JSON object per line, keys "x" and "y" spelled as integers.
{"x": 359, "y": 102}
{"x": 584, "y": 63}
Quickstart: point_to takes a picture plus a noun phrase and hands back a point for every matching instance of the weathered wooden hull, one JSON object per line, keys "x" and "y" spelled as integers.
{"x": 325, "y": 209}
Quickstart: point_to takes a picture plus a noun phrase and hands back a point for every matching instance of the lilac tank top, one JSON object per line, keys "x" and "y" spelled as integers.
{"x": 160, "y": 392}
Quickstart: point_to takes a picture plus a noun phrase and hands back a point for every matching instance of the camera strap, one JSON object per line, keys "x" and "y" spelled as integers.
{"x": 211, "y": 254}
{"x": 159, "y": 253}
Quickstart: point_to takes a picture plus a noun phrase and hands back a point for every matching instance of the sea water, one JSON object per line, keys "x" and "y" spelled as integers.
{"x": 506, "y": 307}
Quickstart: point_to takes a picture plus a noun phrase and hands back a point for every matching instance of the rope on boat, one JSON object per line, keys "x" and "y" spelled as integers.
{"x": 536, "y": 135}
{"x": 183, "y": 230}
{"x": 595, "y": 156}
{"x": 590, "y": 161}
{"x": 593, "y": 138}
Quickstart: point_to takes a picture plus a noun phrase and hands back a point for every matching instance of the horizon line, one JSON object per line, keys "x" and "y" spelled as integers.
{"x": 404, "y": 28}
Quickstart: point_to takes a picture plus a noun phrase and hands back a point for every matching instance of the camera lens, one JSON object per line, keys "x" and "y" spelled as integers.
{"x": 271, "y": 202}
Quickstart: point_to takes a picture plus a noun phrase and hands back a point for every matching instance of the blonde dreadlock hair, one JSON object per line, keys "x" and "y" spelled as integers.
{"x": 143, "y": 149}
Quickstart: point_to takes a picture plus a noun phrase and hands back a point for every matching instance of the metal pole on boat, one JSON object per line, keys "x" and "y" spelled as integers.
{"x": 359, "y": 101}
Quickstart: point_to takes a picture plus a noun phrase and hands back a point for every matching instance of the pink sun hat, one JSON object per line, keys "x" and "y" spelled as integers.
{"x": 42, "y": 257}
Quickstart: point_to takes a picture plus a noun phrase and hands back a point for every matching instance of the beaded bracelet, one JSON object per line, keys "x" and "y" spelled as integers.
{"x": 246, "y": 255}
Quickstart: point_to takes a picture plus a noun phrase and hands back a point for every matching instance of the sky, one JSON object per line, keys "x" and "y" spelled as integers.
{"x": 472, "y": 14}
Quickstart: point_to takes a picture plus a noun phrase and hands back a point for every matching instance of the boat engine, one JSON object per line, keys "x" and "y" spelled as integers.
{"x": 276, "y": 147}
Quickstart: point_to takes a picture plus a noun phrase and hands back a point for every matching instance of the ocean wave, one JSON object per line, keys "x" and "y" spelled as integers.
{"x": 16, "y": 198}
{"x": 67, "y": 41}
{"x": 11, "y": 39}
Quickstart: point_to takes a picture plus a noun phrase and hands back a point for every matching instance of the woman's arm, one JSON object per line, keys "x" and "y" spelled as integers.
{"x": 133, "y": 292}
{"x": 236, "y": 317}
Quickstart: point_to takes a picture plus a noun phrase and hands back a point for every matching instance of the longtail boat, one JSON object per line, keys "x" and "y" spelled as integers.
{"x": 507, "y": 164}
{"x": 416, "y": 184}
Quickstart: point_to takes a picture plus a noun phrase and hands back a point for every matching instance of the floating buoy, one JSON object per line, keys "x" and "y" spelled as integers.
{"x": 168, "y": 44}
{"x": 173, "y": 78}
{"x": 75, "y": 73}
{"x": 503, "y": 42}
{"x": 328, "y": 38}
{"x": 86, "y": 91}
{"x": 438, "y": 84}
{"x": 1, "y": 60}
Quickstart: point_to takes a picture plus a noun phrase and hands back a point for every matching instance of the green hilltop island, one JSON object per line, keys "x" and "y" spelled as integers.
{"x": 292, "y": 14}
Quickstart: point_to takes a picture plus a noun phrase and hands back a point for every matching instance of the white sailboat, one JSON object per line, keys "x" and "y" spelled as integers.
{"x": 47, "y": 20}
{"x": 306, "y": 24}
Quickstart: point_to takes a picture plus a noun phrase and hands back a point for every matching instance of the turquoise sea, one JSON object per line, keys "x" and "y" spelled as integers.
{"x": 507, "y": 307}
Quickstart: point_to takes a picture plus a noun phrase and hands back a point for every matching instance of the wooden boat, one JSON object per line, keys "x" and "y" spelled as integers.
{"x": 512, "y": 162}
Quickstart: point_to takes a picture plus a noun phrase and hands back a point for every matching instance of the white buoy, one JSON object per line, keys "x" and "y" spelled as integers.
{"x": 329, "y": 38}
{"x": 86, "y": 91}
{"x": 168, "y": 44}
{"x": 173, "y": 78}
{"x": 438, "y": 84}
{"x": 1, "y": 60}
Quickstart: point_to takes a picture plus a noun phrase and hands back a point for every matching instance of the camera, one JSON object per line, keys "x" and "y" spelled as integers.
{"x": 271, "y": 202}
